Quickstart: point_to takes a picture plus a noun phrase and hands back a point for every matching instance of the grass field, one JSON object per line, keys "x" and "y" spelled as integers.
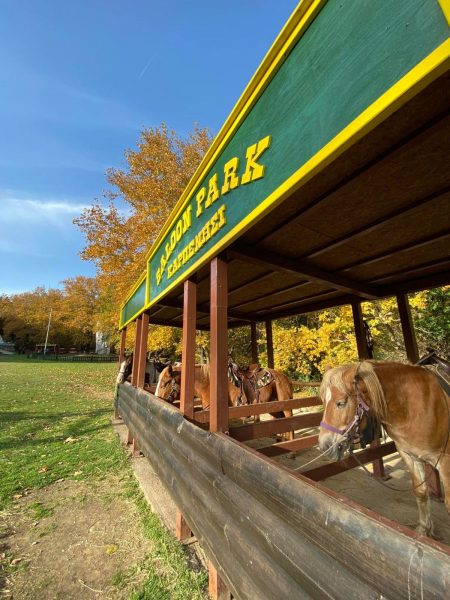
{"x": 55, "y": 424}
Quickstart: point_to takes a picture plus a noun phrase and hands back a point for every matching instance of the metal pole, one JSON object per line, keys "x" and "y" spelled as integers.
{"x": 48, "y": 329}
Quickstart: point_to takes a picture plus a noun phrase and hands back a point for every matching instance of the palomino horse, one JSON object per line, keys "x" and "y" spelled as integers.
{"x": 169, "y": 385}
{"x": 258, "y": 390}
{"x": 411, "y": 405}
{"x": 153, "y": 368}
{"x": 279, "y": 388}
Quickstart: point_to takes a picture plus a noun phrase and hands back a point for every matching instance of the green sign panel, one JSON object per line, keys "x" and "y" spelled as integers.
{"x": 347, "y": 58}
{"x": 343, "y": 67}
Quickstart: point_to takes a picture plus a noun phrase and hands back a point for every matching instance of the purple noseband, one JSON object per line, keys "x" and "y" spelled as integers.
{"x": 351, "y": 431}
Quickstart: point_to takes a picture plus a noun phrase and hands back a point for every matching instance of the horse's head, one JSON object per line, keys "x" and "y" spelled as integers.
{"x": 126, "y": 367}
{"x": 169, "y": 384}
{"x": 345, "y": 410}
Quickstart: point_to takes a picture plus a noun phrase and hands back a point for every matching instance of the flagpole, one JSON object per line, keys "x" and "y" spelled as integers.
{"x": 48, "y": 329}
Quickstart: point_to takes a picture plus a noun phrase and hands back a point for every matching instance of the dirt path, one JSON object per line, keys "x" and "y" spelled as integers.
{"x": 72, "y": 540}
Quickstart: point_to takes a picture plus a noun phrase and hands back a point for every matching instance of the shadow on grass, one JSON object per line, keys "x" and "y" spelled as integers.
{"x": 78, "y": 427}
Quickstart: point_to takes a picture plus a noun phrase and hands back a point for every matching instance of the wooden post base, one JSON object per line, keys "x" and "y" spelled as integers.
{"x": 182, "y": 529}
{"x": 216, "y": 588}
{"x": 134, "y": 448}
{"x": 129, "y": 437}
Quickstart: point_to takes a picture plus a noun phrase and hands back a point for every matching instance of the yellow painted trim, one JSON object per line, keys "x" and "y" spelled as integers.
{"x": 129, "y": 296}
{"x": 297, "y": 24}
{"x": 445, "y": 7}
{"x": 431, "y": 67}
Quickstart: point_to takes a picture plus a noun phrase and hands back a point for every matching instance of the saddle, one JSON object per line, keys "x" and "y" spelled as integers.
{"x": 254, "y": 375}
{"x": 439, "y": 366}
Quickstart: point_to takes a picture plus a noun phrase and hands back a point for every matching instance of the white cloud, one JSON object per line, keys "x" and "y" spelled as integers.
{"x": 17, "y": 211}
{"x": 37, "y": 228}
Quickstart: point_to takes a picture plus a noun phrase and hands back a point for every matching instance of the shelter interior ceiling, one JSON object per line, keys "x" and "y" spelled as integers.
{"x": 374, "y": 222}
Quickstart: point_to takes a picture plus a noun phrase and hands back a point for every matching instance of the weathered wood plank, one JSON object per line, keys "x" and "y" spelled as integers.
{"x": 236, "y": 412}
{"x": 275, "y": 426}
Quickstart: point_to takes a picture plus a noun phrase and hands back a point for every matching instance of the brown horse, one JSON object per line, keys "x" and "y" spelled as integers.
{"x": 411, "y": 405}
{"x": 169, "y": 385}
{"x": 279, "y": 387}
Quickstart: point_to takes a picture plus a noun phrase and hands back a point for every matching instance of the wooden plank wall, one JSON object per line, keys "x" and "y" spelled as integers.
{"x": 271, "y": 533}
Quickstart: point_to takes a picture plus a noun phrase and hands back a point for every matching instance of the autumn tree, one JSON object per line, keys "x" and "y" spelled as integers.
{"x": 120, "y": 230}
{"x": 25, "y": 316}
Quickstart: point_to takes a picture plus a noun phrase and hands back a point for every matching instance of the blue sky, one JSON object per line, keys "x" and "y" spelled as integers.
{"x": 79, "y": 80}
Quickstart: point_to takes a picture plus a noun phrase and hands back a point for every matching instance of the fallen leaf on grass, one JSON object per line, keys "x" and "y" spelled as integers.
{"x": 78, "y": 473}
{"x": 70, "y": 440}
{"x": 43, "y": 470}
{"x": 17, "y": 496}
{"x": 16, "y": 561}
{"x": 111, "y": 549}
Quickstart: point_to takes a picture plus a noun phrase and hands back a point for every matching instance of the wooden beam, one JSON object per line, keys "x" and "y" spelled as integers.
{"x": 142, "y": 357}
{"x": 217, "y": 589}
{"x": 262, "y": 408}
{"x": 188, "y": 349}
{"x": 361, "y": 342}
{"x": 406, "y": 321}
{"x": 269, "y": 345}
{"x": 219, "y": 346}
{"x": 275, "y": 426}
{"x": 364, "y": 456}
{"x": 182, "y": 529}
{"x": 302, "y": 268}
{"x": 254, "y": 342}
{"x": 137, "y": 342}
{"x": 292, "y": 446}
{"x": 123, "y": 341}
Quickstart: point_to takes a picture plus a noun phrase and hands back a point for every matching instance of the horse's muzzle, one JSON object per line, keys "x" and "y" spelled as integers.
{"x": 333, "y": 444}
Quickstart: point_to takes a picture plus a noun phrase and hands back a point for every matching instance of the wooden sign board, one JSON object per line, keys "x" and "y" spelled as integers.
{"x": 336, "y": 71}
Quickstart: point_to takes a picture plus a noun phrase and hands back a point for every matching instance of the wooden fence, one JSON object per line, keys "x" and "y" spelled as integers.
{"x": 272, "y": 533}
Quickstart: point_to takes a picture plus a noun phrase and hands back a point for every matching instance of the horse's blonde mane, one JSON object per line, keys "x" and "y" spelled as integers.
{"x": 366, "y": 373}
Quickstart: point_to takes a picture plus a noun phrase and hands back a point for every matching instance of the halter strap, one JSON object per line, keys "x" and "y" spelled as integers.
{"x": 361, "y": 410}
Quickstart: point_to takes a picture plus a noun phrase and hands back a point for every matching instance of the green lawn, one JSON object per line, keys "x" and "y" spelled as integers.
{"x": 55, "y": 423}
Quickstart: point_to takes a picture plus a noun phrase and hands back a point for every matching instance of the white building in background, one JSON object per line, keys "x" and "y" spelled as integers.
{"x": 6, "y": 347}
{"x": 101, "y": 343}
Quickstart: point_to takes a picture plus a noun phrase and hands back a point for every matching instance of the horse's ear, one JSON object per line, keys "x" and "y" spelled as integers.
{"x": 170, "y": 370}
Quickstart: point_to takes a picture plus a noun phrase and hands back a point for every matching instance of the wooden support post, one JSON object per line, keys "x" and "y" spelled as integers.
{"x": 188, "y": 349}
{"x": 269, "y": 343}
{"x": 361, "y": 343}
{"x": 142, "y": 358}
{"x": 134, "y": 448}
{"x": 129, "y": 437}
{"x": 219, "y": 346}
{"x": 216, "y": 587}
{"x": 123, "y": 340}
{"x": 363, "y": 354}
{"x": 137, "y": 346}
{"x": 254, "y": 342}
{"x": 406, "y": 321}
{"x": 412, "y": 352}
{"x": 182, "y": 529}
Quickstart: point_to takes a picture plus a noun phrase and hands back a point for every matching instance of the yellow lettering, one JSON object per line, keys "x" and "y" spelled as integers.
{"x": 213, "y": 191}
{"x": 200, "y": 197}
{"x": 222, "y": 218}
{"x": 179, "y": 230}
{"x": 173, "y": 240}
{"x": 253, "y": 170}
{"x": 231, "y": 180}
{"x": 187, "y": 219}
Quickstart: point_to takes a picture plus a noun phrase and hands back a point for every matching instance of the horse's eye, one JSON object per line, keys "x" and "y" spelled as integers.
{"x": 342, "y": 403}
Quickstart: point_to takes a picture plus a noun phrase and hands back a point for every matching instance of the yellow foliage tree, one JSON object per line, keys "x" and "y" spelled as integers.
{"x": 119, "y": 235}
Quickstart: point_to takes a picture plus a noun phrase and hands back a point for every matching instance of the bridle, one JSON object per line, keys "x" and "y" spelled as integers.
{"x": 174, "y": 391}
{"x": 351, "y": 431}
